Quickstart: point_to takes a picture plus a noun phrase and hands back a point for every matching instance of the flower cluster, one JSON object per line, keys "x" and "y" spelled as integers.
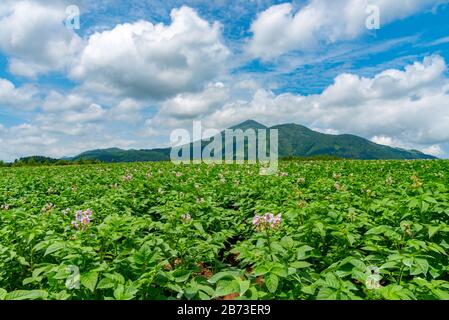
{"x": 127, "y": 177}
{"x": 82, "y": 219}
{"x": 66, "y": 211}
{"x": 48, "y": 207}
{"x": 417, "y": 183}
{"x": 186, "y": 218}
{"x": 5, "y": 207}
{"x": 339, "y": 187}
{"x": 389, "y": 181}
{"x": 267, "y": 221}
{"x": 336, "y": 176}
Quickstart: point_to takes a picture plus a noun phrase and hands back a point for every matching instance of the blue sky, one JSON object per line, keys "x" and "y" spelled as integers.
{"x": 136, "y": 70}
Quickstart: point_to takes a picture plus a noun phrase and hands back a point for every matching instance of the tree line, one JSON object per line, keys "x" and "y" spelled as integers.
{"x": 36, "y": 161}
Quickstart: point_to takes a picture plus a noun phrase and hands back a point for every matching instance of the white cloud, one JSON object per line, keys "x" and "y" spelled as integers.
{"x": 144, "y": 60}
{"x": 33, "y": 35}
{"x": 93, "y": 112}
{"x": 57, "y": 102}
{"x": 52, "y": 140}
{"x": 350, "y": 89}
{"x": 279, "y": 29}
{"x": 191, "y": 105}
{"x": 387, "y": 141}
{"x": 128, "y": 110}
{"x": 439, "y": 41}
{"x": 11, "y": 96}
{"x": 434, "y": 150}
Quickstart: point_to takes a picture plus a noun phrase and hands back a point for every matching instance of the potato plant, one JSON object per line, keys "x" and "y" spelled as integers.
{"x": 316, "y": 230}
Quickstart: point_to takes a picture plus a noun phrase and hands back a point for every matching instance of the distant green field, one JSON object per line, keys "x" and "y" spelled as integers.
{"x": 346, "y": 230}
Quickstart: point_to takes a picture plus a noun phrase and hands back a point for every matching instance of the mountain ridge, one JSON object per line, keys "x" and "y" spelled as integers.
{"x": 294, "y": 141}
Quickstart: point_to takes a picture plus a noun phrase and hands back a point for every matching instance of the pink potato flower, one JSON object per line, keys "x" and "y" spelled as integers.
{"x": 267, "y": 221}
{"x": 82, "y": 219}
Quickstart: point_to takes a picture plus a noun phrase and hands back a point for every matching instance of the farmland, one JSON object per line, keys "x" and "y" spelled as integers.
{"x": 316, "y": 230}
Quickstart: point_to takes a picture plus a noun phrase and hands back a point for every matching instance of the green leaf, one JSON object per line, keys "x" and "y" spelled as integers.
{"x": 31, "y": 280}
{"x": 332, "y": 281}
{"x": 419, "y": 266}
{"x": 433, "y": 230}
{"x": 272, "y": 282}
{"x": 181, "y": 275}
{"x": 396, "y": 292}
{"x": 89, "y": 280}
{"x": 199, "y": 227}
{"x": 390, "y": 265}
{"x": 280, "y": 271}
{"x": 376, "y": 230}
{"x": 244, "y": 286}
{"x": 40, "y": 246}
{"x": 287, "y": 242}
{"x": 302, "y": 252}
{"x": 309, "y": 289}
{"x": 201, "y": 287}
{"x": 22, "y": 261}
{"x": 223, "y": 275}
{"x": 277, "y": 247}
{"x": 106, "y": 283}
{"x": 190, "y": 292}
{"x": 327, "y": 294}
{"x": 300, "y": 264}
{"x": 225, "y": 287}
{"x": 3, "y": 293}
{"x": 127, "y": 292}
{"x": 203, "y": 296}
{"x": 26, "y": 295}
{"x": 319, "y": 228}
{"x": 357, "y": 263}
{"x": 54, "y": 247}
{"x": 442, "y": 295}
{"x": 261, "y": 270}
{"x": 175, "y": 287}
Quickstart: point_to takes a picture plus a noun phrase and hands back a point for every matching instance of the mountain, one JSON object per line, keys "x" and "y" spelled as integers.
{"x": 249, "y": 124}
{"x": 120, "y": 155}
{"x": 294, "y": 140}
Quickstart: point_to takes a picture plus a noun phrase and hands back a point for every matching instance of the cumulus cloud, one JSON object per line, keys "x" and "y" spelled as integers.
{"x": 62, "y": 132}
{"x": 127, "y": 110}
{"x": 57, "y": 102}
{"x": 191, "y": 105}
{"x": 43, "y": 138}
{"x": 280, "y": 29}
{"x": 11, "y": 96}
{"x": 33, "y": 35}
{"x": 415, "y": 80}
{"x": 145, "y": 60}
{"x": 434, "y": 150}
{"x": 387, "y": 141}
